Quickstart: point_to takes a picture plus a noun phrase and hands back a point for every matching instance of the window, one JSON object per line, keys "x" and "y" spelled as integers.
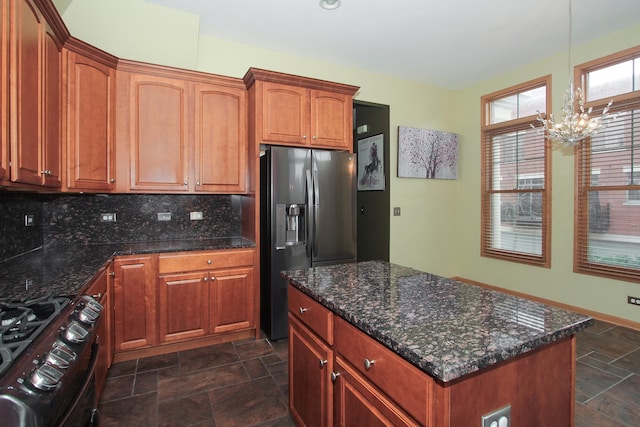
{"x": 608, "y": 171}
{"x": 515, "y": 175}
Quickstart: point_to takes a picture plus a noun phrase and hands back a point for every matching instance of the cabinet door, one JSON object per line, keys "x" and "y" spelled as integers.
{"x": 220, "y": 138}
{"x": 134, "y": 303}
{"x": 90, "y": 137}
{"x": 331, "y": 120}
{"x": 4, "y": 91}
{"x": 182, "y": 305}
{"x": 310, "y": 365}
{"x": 231, "y": 306}
{"x": 285, "y": 114}
{"x": 158, "y": 133}
{"x": 52, "y": 114}
{"x": 26, "y": 73}
{"x": 358, "y": 403}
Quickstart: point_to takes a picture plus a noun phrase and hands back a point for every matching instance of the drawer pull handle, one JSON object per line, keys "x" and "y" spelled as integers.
{"x": 368, "y": 364}
{"x": 322, "y": 363}
{"x": 334, "y": 376}
{"x": 302, "y": 310}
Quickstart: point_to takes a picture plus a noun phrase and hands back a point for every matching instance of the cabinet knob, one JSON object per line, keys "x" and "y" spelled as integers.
{"x": 185, "y": 183}
{"x": 97, "y": 296}
{"x": 323, "y": 363}
{"x": 198, "y": 183}
{"x": 302, "y": 310}
{"x": 368, "y": 364}
{"x": 112, "y": 180}
{"x": 46, "y": 172}
{"x": 208, "y": 261}
{"x": 334, "y": 376}
{"x": 315, "y": 137}
{"x": 112, "y": 274}
{"x": 205, "y": 278}
{"x": 304, "y": 136}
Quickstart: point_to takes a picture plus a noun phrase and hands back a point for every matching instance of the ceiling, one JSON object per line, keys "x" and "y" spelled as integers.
{"x": 447, "y": 43}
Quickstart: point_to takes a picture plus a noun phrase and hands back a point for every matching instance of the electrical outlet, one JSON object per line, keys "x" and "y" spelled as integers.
{"x": 633, "y": 300}
{"x": 396, "y": 211}
{"x": 28, "y": 220}
{"x": 498, "y": 418}
{"x": 195, "y": 216}
{"x": 108, "y": 217}
{"x": 164, "y": 216}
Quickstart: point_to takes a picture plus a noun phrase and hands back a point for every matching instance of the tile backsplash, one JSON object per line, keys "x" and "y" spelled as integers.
{"x": 76, "y": 219}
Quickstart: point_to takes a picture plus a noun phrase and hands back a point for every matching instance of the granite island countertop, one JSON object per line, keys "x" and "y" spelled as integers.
{"x": 66, "y": 270}
{"x": 445, "y": 327}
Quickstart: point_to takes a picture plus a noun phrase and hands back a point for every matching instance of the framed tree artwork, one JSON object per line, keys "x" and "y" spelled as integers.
{"x": 424, "y": 153}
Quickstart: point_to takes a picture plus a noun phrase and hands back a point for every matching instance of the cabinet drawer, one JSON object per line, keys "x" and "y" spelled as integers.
{"x": 397, "y": 378}
{"x": 311, "y": 313}
{"x": 193, "y": 261}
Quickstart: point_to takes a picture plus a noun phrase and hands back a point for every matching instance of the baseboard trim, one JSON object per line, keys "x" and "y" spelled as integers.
{"x": 596, "y": 315}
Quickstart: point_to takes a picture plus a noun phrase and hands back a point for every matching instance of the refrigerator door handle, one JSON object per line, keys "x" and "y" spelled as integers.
{"x": 309, "y": 221}
{"x": 316, "y": 219}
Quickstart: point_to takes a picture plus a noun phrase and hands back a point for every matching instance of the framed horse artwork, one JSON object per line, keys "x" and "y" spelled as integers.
{"x": 371, "y": 163}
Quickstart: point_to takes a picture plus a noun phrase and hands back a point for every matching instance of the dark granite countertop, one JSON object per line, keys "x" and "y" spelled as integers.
{"x": 66, "y": 270}
{"x": 444, "y": 327}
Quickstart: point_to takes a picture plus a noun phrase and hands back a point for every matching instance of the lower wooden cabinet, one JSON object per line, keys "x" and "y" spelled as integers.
{"x": 310, "y": 367}
{"x": 358, "y": 403}
{"x": 134, "y": 301}
{"x": 182, "y": 306}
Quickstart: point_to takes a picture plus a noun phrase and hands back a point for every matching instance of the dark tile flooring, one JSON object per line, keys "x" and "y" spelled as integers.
{"x": 245, "y": 384}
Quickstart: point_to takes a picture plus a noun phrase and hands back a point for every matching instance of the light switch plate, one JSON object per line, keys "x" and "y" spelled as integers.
{"x": 164, "y": 216}
{"x": 195, "y": 216}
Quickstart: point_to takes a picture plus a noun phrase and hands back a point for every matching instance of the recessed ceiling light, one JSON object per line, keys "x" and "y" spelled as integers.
{"x": 330, "y": 4}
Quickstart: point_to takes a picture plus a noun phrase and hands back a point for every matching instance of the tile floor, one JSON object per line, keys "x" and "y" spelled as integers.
{"x": 245, "y": 384}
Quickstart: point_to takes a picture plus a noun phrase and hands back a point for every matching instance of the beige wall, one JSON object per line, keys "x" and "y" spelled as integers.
{"x": 439, "y": 227}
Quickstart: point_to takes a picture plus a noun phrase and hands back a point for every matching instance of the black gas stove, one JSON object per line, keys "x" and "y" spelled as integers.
{"x": 48, "y": 350}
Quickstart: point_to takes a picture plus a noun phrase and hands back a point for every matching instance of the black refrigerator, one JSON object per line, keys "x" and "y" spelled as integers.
{"x": 307, "y": 219}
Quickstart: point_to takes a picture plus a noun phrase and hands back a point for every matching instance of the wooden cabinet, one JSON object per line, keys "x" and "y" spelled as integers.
{"x": 4, "y": 91}
{"x": 205, "y": 293}
{"x": 358, "y": 403}
{"x": 99, "y": 288}
{"x": 293, "y": 110}
{"x": 220, "y": 138}
{"x": 89, "y": 122}
{"x": 181, "y": 131}
{"x": 310, "y": 361}
{"x": 35, "y": 102}
{"x": 134, "y": 300}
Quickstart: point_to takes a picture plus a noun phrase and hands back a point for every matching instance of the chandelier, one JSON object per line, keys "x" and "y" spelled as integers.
{"x": 573, "y": 126}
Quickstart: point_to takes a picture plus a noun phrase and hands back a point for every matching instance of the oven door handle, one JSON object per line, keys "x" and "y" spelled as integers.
{"x": 87, "y": 383}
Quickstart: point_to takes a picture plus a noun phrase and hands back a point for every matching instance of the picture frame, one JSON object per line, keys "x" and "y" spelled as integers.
{"x": 429, "y": 154}
{"x": 371, "y": 176}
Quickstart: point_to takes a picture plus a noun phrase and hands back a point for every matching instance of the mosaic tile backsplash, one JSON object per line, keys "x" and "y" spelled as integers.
{"x": 69, "y": 219}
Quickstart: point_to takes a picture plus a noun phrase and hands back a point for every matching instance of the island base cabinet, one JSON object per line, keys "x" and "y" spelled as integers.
{"x": 358, "y": 403}
{"x": 538, "y": 385}
{"x": 310, "y": 367}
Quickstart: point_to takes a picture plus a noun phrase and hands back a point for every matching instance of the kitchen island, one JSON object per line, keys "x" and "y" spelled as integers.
{"x": 405, "y": 347}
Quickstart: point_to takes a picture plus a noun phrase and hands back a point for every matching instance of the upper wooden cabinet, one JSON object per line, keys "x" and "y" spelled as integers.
{"x": 293, "y": 110}
{"x": 180, "y": 131}
{"x": 35, "y": 100}
{"x": 89, "y": 119}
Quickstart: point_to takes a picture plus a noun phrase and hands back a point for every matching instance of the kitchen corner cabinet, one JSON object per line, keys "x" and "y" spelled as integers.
{"x": 89, "y": 91}
{"x": 205, "y": 293}
{"x": 179, "y": 131}
{"x": 134, "y": 302}
{"x": 35, "y": 98}
{"x": 299, "y": 111}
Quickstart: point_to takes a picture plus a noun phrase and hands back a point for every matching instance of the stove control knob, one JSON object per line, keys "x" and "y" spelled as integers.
{"x": 74, "y": 333}
{"x": 59, "y": 357}
{"x": 87, "y": 315}
{"x": 45, "y": 377}
{"x": 91, "y": 302}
